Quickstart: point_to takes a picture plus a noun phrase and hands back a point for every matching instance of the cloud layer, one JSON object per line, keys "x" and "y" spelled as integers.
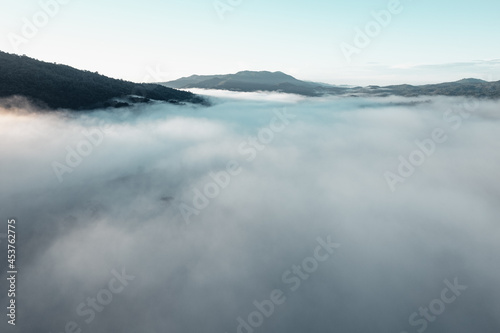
{"x": 119, "y": 209}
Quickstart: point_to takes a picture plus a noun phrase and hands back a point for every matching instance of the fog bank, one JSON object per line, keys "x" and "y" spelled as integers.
{"x": 207, "y": 210}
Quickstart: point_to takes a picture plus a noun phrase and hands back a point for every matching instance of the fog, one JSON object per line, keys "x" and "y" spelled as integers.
{"x": 205, "y": 210}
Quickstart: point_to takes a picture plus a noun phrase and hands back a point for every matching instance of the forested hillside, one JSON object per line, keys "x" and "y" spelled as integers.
{"x": 59, "y": 86}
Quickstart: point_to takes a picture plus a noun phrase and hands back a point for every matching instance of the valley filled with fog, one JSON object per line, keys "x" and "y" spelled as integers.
{"x": 262, "y": 213}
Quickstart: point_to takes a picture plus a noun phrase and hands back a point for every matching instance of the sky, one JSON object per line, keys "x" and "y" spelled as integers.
{"x": 421, "y": 41}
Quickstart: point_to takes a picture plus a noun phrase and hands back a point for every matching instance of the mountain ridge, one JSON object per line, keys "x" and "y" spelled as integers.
{"x": 252, "y": 81}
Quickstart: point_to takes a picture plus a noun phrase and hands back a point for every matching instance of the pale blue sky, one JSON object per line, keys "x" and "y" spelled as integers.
{"x": 161, "y": 40}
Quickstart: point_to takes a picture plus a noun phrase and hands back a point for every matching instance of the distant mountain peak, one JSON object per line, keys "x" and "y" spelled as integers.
{"x": 471, "y": 80}
{"x": 249, "y": 81}
{"x": 264, "y": 74}
{"x": 261, "y": 72}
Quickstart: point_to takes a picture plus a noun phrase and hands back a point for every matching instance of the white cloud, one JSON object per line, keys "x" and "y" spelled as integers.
{"x": 322, "y": 175}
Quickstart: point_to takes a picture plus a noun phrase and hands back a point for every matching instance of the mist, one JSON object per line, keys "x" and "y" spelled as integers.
{"x": 333, "y": 214}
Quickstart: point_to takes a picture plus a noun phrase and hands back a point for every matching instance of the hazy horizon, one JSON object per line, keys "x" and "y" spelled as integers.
{"x": 481, "y": 70}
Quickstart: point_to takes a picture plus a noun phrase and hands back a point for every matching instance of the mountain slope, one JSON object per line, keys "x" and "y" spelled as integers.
{"x": 59, "y": 86}
{"x": 249, "y": 81}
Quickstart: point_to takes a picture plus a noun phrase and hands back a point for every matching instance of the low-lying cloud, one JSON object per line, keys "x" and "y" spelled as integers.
{"x": 118, "y": 214}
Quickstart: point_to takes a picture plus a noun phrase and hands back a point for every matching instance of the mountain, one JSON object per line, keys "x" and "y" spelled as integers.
{"x": 280, "y": 82}
{"x": 464, "y": 87}
{"x": 58, "y": 86}
{"x": 249, "y": 81}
